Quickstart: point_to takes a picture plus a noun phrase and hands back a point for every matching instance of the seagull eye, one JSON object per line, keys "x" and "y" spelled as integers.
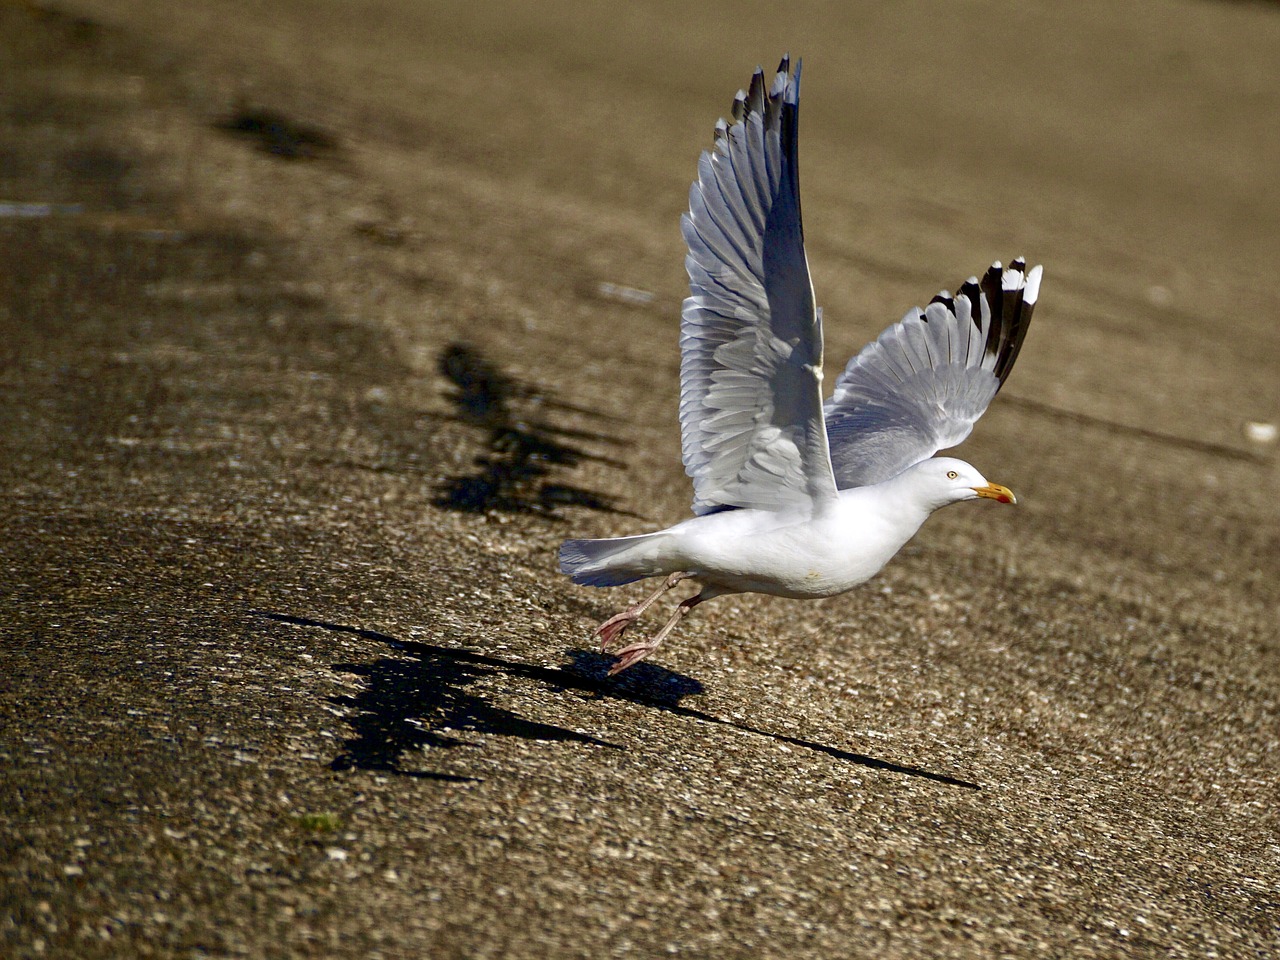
{"x": 952, "y": 475}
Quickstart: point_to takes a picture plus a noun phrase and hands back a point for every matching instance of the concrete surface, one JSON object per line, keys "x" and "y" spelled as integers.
{"x": 315, "y": 340}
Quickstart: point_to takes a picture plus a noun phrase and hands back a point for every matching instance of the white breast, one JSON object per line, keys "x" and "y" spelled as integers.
{"x": 792, "y": 555}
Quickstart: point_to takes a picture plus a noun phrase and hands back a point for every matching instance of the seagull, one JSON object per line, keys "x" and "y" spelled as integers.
{"x": 792, "y": 496}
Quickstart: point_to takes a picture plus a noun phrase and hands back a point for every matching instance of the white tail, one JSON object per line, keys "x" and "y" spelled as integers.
{"x": 613, "y": 562}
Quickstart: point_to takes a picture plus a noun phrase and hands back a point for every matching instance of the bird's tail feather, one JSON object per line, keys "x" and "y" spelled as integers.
{"x": 613, "y": 562}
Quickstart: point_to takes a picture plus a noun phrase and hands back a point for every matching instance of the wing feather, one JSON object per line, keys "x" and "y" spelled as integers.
{"x": 751, "y": 339}
{"x": 924, "y": 382}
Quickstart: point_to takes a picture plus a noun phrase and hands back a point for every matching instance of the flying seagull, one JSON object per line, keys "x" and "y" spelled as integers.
{"x": 792, "y": 496}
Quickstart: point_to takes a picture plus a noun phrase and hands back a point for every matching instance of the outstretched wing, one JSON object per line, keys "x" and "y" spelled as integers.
{"x": 921, "y": 386}
{"x": 751, "y": 340}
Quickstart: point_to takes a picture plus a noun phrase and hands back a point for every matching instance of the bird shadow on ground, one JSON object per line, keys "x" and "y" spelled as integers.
{"x": 515, "y": 472}
{"x": 278, "y": 135}
{"x": 408, "y": 705}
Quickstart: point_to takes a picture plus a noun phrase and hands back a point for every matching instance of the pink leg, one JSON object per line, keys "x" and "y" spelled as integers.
{"x": 633, "y": 654}
{"x": 611, "y": 631}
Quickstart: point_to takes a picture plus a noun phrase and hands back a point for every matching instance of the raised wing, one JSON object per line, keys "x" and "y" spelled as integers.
{"x": 921, "y": 386}
{"x": 751, "y": 340}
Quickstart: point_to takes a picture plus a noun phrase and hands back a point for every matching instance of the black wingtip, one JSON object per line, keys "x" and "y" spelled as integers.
{"x": 946, "y": 300}
{"x": 756, "y": 95}
{"x": 767, "y": 100}
{"x": 1010, "y": 312}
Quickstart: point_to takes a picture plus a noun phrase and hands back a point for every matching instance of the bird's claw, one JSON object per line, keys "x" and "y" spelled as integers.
{"x": 611, "y": 631}
{"x": 629, "y": 656}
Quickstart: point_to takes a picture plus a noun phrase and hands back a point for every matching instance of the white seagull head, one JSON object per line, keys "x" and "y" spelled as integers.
{"x": 939, "y": 481}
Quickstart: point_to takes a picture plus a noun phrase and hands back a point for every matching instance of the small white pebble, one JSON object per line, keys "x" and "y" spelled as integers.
{"x": 1261, "y": 432}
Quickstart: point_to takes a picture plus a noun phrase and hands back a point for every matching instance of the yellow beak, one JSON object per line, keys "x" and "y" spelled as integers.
{"x": 993, "y": 491}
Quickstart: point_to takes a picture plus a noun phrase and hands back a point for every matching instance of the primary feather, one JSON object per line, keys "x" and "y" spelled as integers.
{"x": 751, "y": 340}
{"x": 923, "y": 383}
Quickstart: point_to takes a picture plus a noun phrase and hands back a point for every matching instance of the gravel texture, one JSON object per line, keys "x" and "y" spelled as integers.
{"x": 322, "y": 324}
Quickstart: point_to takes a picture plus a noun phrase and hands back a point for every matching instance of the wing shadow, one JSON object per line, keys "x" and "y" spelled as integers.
{"x": 515, "y": 473}
{"x": 593, "y": 668}
{"x": 408, "y": 706}
{"x": 278, "y": 135}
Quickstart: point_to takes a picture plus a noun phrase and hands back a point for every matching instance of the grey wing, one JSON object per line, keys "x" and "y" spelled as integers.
{"x": 924, "y": 382}
{"x": 750, "y": 339}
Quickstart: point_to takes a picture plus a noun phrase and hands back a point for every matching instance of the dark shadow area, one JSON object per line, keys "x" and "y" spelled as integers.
{"x": 276, "y": 134}
{"x": 410, "y": 705}
{"x": 399, "y": 711}
{"x": 595, "y": 668}
{"x": 78, "y": 31}
{"x": 514, "y": 473}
